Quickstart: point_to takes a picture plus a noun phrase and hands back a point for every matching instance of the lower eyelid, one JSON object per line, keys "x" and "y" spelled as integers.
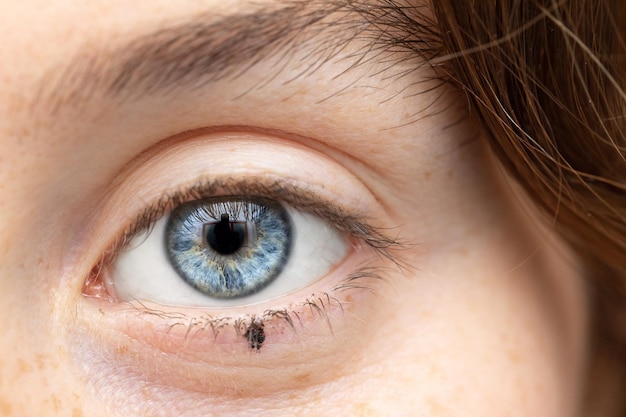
{"x": 197, "y": 352}
{"x": 327, "y": 297}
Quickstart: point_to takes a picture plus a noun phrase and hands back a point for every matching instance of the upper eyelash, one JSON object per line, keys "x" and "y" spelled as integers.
{"x": 280, "y": 190}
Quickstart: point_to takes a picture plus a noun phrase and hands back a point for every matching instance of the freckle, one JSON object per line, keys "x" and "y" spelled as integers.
{"x": 436, "y": 408}
{"x": 362, "y": 410}
{"x": 428, "y": 175}
{"x": 41, "y": 363}
{"x": 56, "y": 404}
{"x": 5, "y": 408}
{"x": 303, "y": 378}
{"x": 23, "y": 366}
{"x": 514, "y": 356}
{"x": 4, "y": 248}
{"x": 146, "y": 393}
{"x": 77, "y": 413}
{"x": 121, "y": 350}
{"x": 434, "y": 372}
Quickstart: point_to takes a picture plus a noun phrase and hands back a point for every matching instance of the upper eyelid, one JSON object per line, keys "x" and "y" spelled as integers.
{"x": 279, "y": 189}
{"x": 142, "y": 191}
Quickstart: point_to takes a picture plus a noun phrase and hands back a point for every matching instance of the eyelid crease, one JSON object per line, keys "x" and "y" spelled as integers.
{"x": 319, "y": 144}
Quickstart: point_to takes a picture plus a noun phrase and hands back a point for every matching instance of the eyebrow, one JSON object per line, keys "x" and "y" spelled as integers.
{"x": 205, "y": 49}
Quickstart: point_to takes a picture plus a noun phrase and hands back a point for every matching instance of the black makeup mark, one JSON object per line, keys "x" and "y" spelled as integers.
{"x": 193, "y": 323}
{"x": 255, "y": 334}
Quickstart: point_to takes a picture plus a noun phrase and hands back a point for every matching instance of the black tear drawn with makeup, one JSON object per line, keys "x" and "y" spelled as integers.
{"x": 255, "y": 335}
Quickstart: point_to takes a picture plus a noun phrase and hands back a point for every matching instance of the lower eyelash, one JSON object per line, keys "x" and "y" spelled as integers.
{"x": 257, "y": 329}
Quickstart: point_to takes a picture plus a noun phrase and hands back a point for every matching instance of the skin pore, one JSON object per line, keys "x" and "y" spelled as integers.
{"x": 472, "y": 307}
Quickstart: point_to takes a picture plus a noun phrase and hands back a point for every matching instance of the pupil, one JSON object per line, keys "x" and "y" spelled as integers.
{"x": 225, "y": 237}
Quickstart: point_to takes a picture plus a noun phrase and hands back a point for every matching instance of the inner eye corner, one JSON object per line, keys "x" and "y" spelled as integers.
{"x": 94, "y": 285}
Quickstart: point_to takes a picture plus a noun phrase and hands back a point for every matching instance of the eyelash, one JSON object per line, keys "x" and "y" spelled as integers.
{"x": 251, "y": 327}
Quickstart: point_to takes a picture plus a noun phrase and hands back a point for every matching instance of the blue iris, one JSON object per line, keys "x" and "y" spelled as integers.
{"x": 229, "y": 247}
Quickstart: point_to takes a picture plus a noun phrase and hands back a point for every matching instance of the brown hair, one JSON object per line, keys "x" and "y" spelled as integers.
{"x": 546, "y": 79}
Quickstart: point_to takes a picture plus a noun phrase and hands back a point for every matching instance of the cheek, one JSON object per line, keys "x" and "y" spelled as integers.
{"x": 36, "y": 377}
{"x": 484, "y": 335}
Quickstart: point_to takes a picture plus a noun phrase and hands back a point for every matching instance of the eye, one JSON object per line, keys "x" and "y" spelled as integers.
{"x": 226, "y": 251}
{"x": 201, "y": 261}
{"x": 198, "y": 265}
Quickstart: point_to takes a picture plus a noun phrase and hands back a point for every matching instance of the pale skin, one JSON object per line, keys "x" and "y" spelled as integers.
{"x": 484, "y": 315}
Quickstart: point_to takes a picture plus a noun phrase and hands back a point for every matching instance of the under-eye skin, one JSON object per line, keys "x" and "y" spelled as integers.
{"x": 228, "y": 247}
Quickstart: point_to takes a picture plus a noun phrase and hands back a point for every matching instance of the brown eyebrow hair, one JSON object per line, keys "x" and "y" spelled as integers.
{"x": 206, "y": 48}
